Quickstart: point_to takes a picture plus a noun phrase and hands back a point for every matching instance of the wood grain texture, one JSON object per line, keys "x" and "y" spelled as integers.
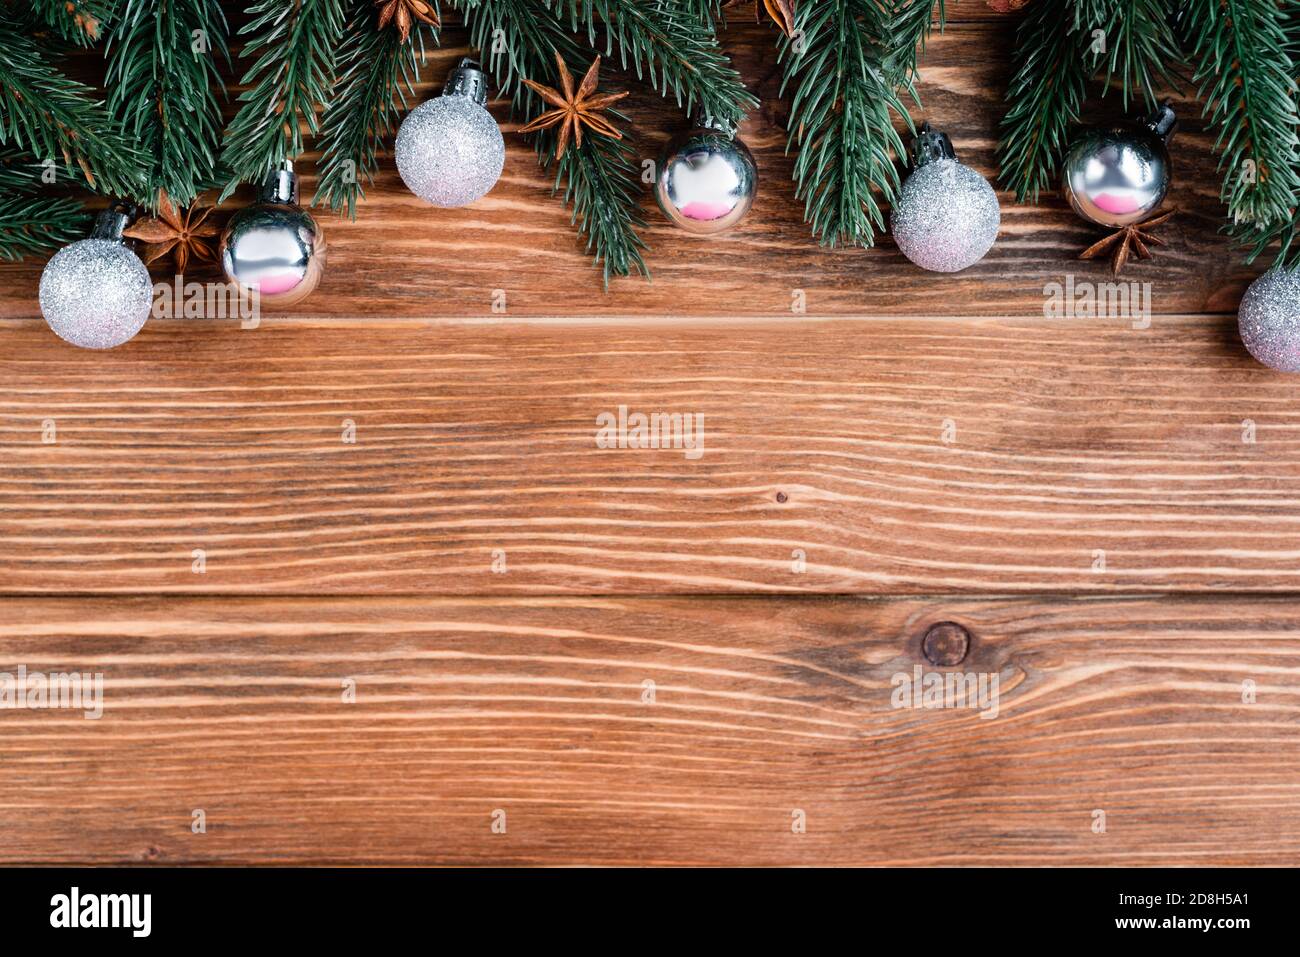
{"x": 761, "y": 706}
{"x": 403, "y": 258}
{"x": 825, "y": 437}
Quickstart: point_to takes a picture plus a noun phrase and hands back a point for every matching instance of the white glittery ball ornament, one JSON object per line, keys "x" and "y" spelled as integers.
{"x": 1269, "y": 319}
{"x": 449, "y": 150}
{"x": 96, "y": 293}
{"x": 947, "y": 216}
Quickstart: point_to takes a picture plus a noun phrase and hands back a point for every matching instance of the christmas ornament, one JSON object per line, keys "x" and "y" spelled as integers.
{"x": 707, "y": 179}
{"x": 183, "y": 234}
{"x": 449, "y": 150}
{"x": 1119, "y": 175}
{"x": 403, "y": 14}
{"x": 1136, "y": 237}
{"x": 1269, "y": 319}
{"x": 95, "y": 293}
{"x": 573, "y": 110}
{"x": 947, "y": 216}
{"x": 274, "y": 245}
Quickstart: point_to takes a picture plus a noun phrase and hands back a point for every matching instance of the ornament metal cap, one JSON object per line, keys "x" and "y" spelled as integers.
{"x": 110, "y": 222}
{"x": 930, "y": 145}
{"x": 281, "y": 184}
{"x": 1163, "y": 122}
{"x": 704, "y": 121}
{"x": 467, "y": 79}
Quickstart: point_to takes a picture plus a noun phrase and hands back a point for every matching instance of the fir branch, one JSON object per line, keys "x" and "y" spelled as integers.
{"x": 600, "y": 177}
{"x": 48, "y": 115}
{"x": 376, "y": 73}
{"x": 1140, "y": 44}
{"x": 162, "y": 71}
{"x": 1248, "y": 83}
{"x": 81, "y": 22}
{"x": 677, "y": 51}
{"x": 33, "y": 224}
{"x": 295, "y": 45}
{"x": 840, "y": 118}
{"x": 910, "y": 23}
{"x": 1052, "y": 69}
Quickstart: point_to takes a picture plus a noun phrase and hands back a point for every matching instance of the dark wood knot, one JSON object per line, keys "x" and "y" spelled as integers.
{"x": 946, "y": 643}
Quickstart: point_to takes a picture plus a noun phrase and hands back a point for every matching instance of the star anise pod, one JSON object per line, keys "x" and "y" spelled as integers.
{"x": 782, "y": 11}
{"x": 181, "y": 233}
{"x": 573, "y": 109}
{"x": 1135, "y": 238}
{"x": 404, "y": 13}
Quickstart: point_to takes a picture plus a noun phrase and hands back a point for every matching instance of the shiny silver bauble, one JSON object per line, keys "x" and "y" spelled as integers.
{"x": 449, "y": 150}
{"x": 1119, "y": 175}
{"x": 707, "y": 181}
{"x": 96, "y": 293}
{"x": 274, "y": 246}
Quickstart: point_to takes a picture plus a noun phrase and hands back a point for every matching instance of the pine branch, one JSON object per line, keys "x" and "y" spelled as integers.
{"x": 840, "y": 118}
{"x": 49, "y": 115}
{"x": 1140, "y": 44}
{"x": 162, "y": 70}
{"x": 376, "y": 73}
{"x": 678, "y": 52}
{"x": 600, "y": 177}
{"x": 1248, "y": 83}
{"x": 81, "y": 22}
{"x": 295, "y": 45}
{"x": 910, "y": 23}
{"x": 32, "y": 224}
{"x": 1052, "y": 68}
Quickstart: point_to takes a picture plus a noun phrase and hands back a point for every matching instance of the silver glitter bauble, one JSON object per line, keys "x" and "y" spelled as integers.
{"x": 707, "y": 180}
{"x": 96, "y": 293}
{"x": 1269, "y": 319}
{"x": 449, "y": 150}
{"x": 947, "y": 215}
{"x": 1119, "y": 175}
{"x": 274, "y": 246}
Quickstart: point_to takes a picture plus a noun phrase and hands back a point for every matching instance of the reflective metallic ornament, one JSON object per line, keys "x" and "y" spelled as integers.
{"x": 449, "y": 150}
{"x": 274, "y": 246}
{"x": 707, "y": 180}
{"x": 96, "y": 293}
{"x": 1119, "y": 175}
{"x": 1269, "y": 319}
{"x": 947, "y": 215}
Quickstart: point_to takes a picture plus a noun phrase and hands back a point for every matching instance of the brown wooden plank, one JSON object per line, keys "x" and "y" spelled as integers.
{"x": 1069, "y": 438}
{"x": 403, "y": 258}
{"x": 761, "y": 707}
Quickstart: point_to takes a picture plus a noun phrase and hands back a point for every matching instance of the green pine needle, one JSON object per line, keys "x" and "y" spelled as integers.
{"x": 162, "y": 74}
{"x": 81, "y": 22}
{"x": 1052, "y": 66}
{"x": 34, "y": 224}
{"x": 1248, "y": 83}
{"x": 294, "y": 45}
{"x": 376, "y": 74}
{"x": 51, "y": 116}
{"x": 678, "y": 53}
{"x": 599, "y": 179}
{"x": 841, "y": 118}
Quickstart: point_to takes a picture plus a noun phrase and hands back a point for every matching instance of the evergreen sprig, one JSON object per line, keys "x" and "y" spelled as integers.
{"x": 49, "y": 115}
{"x": 678, "y": 52}
{"x": 295, "y": 46}
{"x": 910, "y": 23}
{"x": 376, "y": 74}
{"x": 81, "y": 22}
{"x": 1052, "y": 63}
{"x": 840, "y": 118}
{"x": 598, "y": 179}
{"x": 30, "y": 223}
{"x": 1248, "y": 83}
{"x": 1139, "y": 44}
{"x": 163, "y": 76}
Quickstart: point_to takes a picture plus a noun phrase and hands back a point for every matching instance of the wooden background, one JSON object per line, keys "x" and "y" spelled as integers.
{"x": 370, "y": 564}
